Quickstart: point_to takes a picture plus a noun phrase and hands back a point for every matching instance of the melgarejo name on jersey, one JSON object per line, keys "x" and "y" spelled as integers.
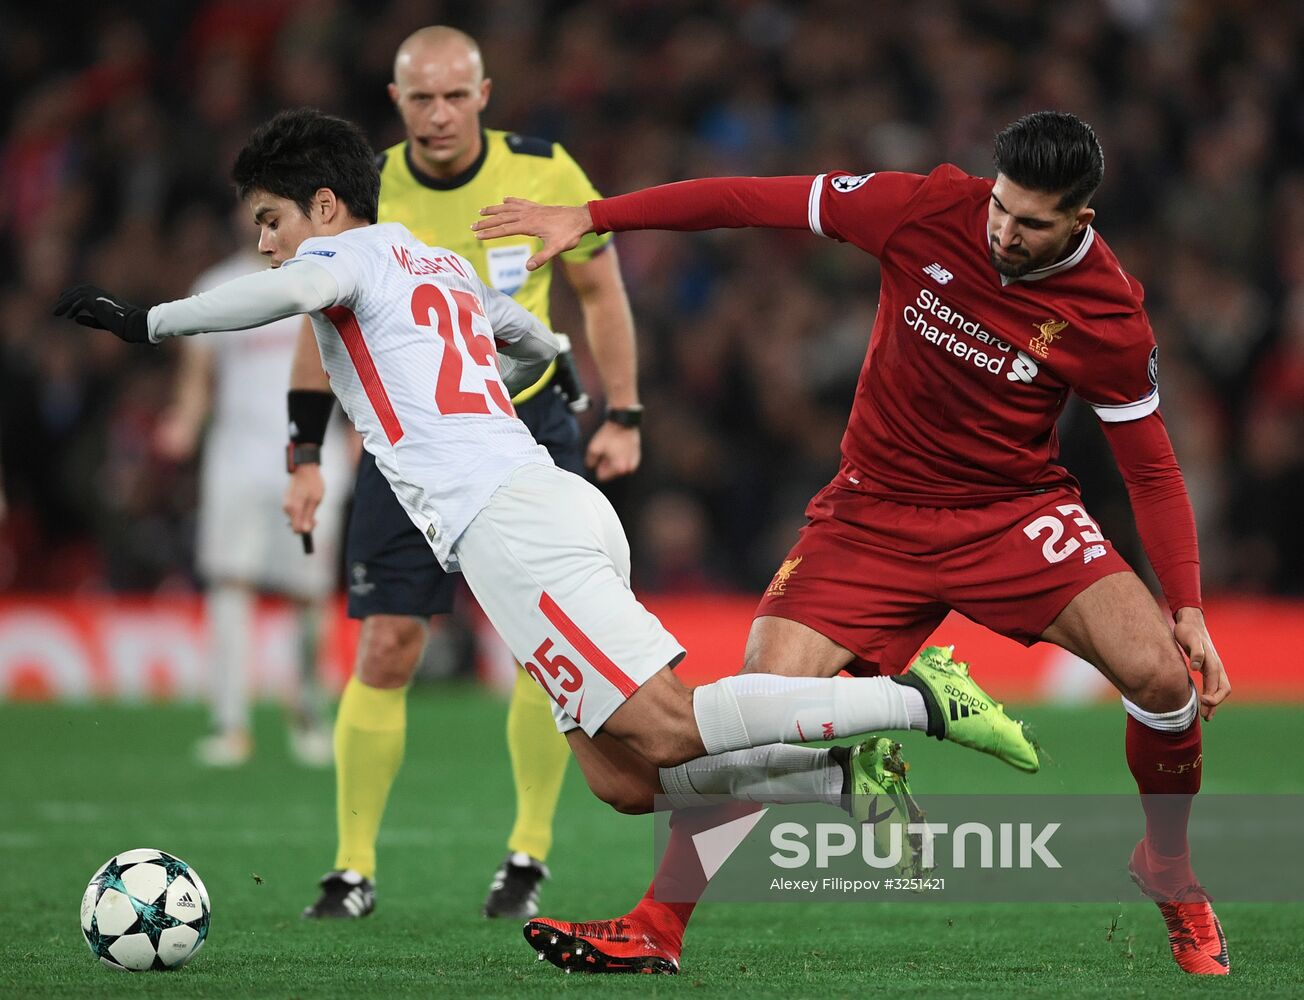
{"x": 415, "y": 265}
{"x": 928, "y": 307}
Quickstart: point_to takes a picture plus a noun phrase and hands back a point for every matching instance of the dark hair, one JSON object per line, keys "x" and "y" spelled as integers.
{"x": 300, "y": 151}
{"x": 1054, "y": 152}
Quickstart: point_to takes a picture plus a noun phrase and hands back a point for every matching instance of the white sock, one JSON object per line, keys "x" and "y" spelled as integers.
{"x": 759, "y": 774}
{"x": 230, "y": 621}
{"x": 915, "y": 708}
{"x": 1177, "y": 721}
{"x": 751, "y": 710}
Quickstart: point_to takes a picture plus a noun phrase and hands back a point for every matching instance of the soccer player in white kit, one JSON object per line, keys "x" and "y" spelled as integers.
{"x": 424, "y": 357}
{"x": 230, "y": 384}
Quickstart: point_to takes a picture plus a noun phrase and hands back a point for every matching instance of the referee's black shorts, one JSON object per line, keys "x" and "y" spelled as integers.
{"x": 391, "y": 570}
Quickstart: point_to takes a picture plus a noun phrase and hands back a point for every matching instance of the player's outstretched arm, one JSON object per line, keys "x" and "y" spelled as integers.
{"x": 559, "y": 226}
{"x": 710, "y": 203}
{"x": 248, "y": 301}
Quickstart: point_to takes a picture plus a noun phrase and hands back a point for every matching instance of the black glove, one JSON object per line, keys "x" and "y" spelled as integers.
{"x": 91, "y": 306}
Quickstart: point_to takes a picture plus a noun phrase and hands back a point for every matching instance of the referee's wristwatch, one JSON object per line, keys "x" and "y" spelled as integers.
{"x": 626, "y": 416}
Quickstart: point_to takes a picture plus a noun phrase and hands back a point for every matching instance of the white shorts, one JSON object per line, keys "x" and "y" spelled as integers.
{"x": 244, "y": 538}
{"x": 548, "y": 562}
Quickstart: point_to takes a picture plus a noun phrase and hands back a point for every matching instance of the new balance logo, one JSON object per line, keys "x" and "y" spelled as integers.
{"x": 185, "y": 900}
{"x": 1092, "y": 552}
{"x": 938, "y": 273}
{"x": 962, "y": 711}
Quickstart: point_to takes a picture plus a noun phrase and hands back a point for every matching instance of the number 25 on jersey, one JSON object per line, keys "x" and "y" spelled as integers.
{"x": 461, "y": 344}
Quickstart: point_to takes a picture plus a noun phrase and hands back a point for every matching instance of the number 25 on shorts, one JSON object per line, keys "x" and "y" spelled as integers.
{"x": 1073, "y": 520}
{"x": 556, "y": 674}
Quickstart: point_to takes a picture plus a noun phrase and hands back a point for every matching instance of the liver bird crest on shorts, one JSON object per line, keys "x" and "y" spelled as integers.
{"x": 779, "y": 585}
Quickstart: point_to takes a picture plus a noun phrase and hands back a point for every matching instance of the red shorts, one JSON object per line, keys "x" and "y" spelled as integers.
{"x": 877, "y": 577}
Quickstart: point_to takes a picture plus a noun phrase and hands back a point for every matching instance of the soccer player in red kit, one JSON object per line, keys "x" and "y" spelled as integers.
{"x": 998, "y": 299}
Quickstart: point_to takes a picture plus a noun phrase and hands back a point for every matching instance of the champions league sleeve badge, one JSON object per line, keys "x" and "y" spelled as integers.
{"x": 845, "y": 185}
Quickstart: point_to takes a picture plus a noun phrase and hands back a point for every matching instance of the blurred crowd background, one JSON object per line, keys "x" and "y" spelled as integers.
{"x": 121, "y": 120}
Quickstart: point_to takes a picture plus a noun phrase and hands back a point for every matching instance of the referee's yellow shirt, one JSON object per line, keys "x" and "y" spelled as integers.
{"x": 440, "y": 212}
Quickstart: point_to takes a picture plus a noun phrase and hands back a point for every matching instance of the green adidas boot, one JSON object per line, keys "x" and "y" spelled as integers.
{"x": 962, "y": 712}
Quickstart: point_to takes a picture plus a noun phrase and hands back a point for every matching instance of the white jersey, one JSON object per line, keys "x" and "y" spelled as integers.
{"x": 245, "y": 442}
{"x": 409, "y": 345}
{"x": 407, "y": 333}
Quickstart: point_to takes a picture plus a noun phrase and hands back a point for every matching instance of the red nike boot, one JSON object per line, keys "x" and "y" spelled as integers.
{"x": 1194, "y": 933}
{"x": 637, "y": 942}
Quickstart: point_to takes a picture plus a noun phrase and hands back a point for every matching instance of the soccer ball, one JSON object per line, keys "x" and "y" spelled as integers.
{"x": 145, "y": 909}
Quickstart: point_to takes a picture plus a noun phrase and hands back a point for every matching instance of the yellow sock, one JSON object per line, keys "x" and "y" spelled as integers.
{"x": 539, "y": 754}
{"x": 370, "y": 730}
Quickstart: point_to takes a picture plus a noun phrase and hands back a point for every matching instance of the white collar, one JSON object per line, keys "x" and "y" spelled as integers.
{"x": 1072, "y": 260}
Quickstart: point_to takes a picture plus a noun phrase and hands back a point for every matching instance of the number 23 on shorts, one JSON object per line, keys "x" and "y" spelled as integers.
{"x": 1072, "y": 520}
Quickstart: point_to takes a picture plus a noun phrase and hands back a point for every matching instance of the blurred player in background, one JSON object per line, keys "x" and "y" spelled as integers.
{"x": 998, "y": 299}
{"x": 434, "y": 182}
{"x": 234, "y": 384}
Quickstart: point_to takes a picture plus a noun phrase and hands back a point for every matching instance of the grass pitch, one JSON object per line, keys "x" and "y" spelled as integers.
{"x": 81, "y": 784}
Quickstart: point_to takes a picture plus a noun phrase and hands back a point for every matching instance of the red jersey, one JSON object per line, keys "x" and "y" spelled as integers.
{"x": 967, "y": 371}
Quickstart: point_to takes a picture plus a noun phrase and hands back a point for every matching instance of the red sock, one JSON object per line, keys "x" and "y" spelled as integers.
{"x": 1167, "y": 768}
{"x": 679, "y": 881}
